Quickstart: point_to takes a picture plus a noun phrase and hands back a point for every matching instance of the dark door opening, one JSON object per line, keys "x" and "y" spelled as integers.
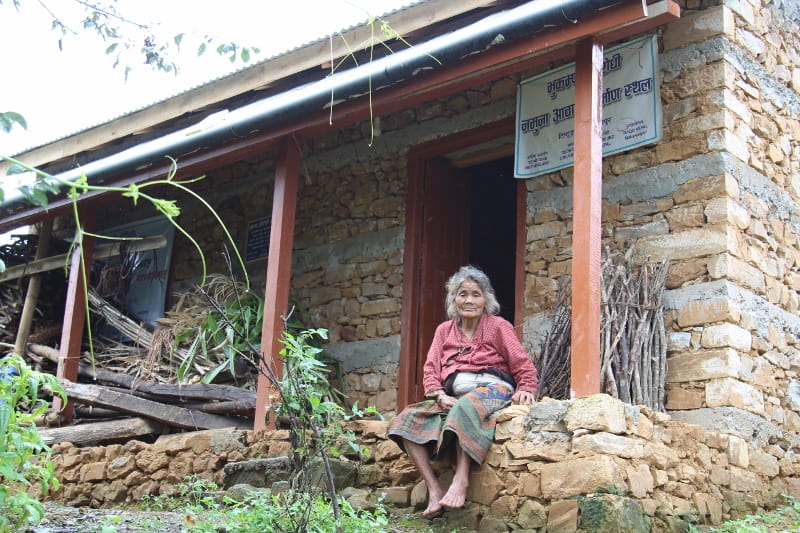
{"x": 462, "y": 208}
{"x": 469, "y": 217}
{"x": 493, "y": 227}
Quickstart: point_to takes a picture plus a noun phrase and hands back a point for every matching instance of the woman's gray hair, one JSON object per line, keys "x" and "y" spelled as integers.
{"x": 470, "y": 273}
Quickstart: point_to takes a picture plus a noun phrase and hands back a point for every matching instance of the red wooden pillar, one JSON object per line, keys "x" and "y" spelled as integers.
{"x": 69, "y": 354}
{"x": 587, "y": 204}
{"x": 279, "y": 269}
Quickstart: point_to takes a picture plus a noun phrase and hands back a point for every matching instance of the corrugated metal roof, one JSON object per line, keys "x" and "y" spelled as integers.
{"x": 230, "y": 73}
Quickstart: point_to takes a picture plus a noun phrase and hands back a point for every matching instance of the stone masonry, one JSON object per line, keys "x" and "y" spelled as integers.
{"x": 545, "y": 460}
{"x": 718, "y": 196}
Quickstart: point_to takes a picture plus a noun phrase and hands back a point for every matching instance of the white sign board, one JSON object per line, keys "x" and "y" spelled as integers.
{"x": 546, "y": 106}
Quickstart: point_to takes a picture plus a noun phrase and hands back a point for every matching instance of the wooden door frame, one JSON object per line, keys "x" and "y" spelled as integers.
{"x": 412, "y": 273}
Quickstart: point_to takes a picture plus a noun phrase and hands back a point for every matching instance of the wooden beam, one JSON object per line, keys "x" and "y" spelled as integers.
{"x": 278, "y": 277}
{"x": 75, "y": 310}
{"x": 171, "y": 415}
{"x": 587, "y": 205}
{"x": 171, "y": 391}
{"x": 45, "y": 264}
{"x": 32, "y": 296}
{"x": 95, "y": 432}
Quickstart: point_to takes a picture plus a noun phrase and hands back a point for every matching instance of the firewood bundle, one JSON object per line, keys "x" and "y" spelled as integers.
{"x": 632, "y": 337}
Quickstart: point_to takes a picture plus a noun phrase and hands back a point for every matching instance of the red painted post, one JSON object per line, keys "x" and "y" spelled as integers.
{"x": 587, "y": 204}
{"x": 69, "y": 354}
{"x": 278, "y": 277}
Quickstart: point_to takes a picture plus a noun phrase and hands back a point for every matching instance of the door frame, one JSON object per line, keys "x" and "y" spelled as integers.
{"x": 412, "y": 273}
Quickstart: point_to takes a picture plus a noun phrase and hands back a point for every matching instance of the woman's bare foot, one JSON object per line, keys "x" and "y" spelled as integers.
{"x": 456, "y": 494}
{"x": 434, "y": 502}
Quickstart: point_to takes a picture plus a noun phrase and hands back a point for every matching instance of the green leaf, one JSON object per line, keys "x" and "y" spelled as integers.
{"x": 212, "y": 374}
{"x": 34, "y": 195}
{"x": 9, "y": 118}
{"x": 245, "y": 55}
{"x": 201, "y": 49}
{"x": 16, "y": 168}
{"x": 178, "y": 38}
{"x": 111, "y": 48}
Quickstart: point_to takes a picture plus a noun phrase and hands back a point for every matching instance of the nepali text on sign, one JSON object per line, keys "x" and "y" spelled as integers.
{"x": 546, "y": 109}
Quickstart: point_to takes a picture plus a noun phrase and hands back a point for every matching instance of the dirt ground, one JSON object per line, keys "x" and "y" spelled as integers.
{"x": 60, "y": 519}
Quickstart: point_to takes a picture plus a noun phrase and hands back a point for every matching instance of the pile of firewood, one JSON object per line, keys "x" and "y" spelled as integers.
{"x": 632, "y": 336}
{"x": 156, "y": 407}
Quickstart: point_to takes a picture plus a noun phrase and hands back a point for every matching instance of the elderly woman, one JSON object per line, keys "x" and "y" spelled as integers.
{"x": 475, "y": 366}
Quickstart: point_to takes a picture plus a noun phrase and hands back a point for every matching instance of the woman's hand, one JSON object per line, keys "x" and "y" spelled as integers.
{"x": 523, "y": 397}
{"x": 446, "y": 402}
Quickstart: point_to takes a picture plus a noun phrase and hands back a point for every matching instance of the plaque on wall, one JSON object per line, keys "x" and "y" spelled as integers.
{"x": 631, "y": 103}
{"x": 258, "y": 238}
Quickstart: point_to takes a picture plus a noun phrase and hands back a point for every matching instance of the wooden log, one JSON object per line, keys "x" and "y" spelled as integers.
{"x": 89, "y": 411}
{"x": 225, "y": 408}
{"x": 187, "y": 391}
{"x": 32, "y": 296}
{"x": 84, "y": 434}
{"x": 168, "y": 414}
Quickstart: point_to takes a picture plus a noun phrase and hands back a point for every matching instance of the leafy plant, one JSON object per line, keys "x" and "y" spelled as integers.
{"x": 24, "y": 457}
{"x": 289, "y": 511}
{"x": 130, "y": 41}
{"x": 226, "y": 332}
{"x": 782, "y": 520}
{"x": 9, "y": 118}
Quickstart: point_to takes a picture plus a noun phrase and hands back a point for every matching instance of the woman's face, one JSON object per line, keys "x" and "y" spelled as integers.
{"x": 469, "y": 300}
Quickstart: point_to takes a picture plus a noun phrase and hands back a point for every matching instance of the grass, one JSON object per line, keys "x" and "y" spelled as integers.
{"x": 782, "y": 520}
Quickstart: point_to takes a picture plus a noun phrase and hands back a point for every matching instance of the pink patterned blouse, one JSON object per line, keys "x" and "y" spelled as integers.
{"x": 494, "y": 345}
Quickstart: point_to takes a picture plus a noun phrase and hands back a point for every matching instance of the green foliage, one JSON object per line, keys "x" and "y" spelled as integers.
{"x": 129, "y": 41}
{"x": 24, "y": 457}
{"x": 782, "y": 520}
{"x": 9, "y": 118}
{"x": 285, "y": 512}
{"x": 231, "y": 328}
{"x": 308, "y": 395}
{"x": 262, "y": 512}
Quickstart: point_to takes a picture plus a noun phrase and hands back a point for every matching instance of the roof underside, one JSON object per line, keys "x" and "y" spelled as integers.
{"x": 270, "y": 106}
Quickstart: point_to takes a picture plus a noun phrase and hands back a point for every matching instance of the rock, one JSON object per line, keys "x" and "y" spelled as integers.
{"x": 609, "y": 513}
{"x": 242, "y": 491}
{"x": 256, "y": 472}
{"x": 599, "y": 412}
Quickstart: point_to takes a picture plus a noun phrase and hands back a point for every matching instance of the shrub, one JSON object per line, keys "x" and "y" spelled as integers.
{"x": 24, "y": 457}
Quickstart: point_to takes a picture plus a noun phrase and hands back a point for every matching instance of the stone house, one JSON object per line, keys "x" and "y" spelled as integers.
{"x": 369, "y": 215}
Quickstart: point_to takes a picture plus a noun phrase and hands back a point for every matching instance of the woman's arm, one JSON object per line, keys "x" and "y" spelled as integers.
{"x": 432, "y": 370}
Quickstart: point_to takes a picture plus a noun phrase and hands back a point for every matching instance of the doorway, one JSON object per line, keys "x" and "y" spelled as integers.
{"x": 493, "y": 227}
{"x": 460, "y": 210}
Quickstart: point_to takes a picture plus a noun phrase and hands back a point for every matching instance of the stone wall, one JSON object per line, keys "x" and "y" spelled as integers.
{"x": 719, "y": 197}
{"x": 545, "y": 462}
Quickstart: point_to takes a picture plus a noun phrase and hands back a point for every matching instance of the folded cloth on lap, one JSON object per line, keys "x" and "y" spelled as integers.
{"x": 468, "y": 381}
